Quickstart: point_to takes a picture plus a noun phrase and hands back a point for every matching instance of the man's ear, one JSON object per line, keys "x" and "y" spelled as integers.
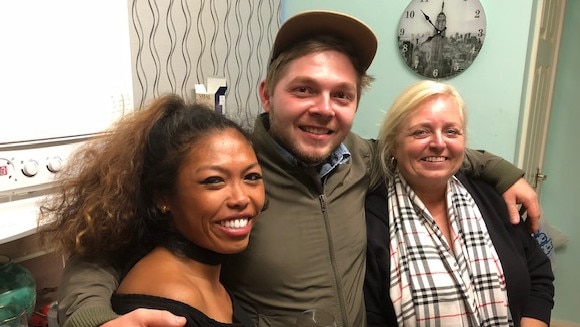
{"x": 264, "y": 97}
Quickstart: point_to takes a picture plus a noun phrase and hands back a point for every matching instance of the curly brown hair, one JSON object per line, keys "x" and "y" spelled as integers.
{"x": 103, "y": 209}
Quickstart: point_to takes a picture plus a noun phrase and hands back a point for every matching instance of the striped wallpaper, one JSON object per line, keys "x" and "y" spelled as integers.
{"x": 177, "y": 44}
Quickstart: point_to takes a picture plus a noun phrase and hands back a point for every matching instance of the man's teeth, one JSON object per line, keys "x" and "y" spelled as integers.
{"x": 234, "y": 223}
{"x": 319, "y": 131}
{"x": 435, "y": 159}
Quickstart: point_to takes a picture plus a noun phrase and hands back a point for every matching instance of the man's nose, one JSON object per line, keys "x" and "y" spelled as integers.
{"x": 323, "y": 105}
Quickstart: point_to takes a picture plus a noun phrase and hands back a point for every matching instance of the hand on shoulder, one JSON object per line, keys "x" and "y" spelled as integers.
{"x": 147, "y": 318}
{"x": 522, "y": 193}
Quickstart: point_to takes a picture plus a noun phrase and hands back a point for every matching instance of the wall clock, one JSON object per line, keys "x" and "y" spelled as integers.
{"x": 440, "y": 39}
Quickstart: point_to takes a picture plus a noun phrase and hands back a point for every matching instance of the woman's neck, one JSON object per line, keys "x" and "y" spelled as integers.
{"x": 203, "y": 271}
{"x": 431, "y": 195}
{"x": 435, "y": 200}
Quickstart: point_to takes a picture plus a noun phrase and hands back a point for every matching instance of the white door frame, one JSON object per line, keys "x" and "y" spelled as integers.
{"x": 539, "y": 92}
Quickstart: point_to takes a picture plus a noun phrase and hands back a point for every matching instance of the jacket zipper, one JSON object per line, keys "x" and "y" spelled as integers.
{"x": 337, "y": 277}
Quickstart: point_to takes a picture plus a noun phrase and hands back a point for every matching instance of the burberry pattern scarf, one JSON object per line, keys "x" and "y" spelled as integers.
{"x": 434, "y": 283}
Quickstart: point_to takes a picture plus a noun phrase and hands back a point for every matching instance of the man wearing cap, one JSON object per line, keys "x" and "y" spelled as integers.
{"x": 307, "y": 250}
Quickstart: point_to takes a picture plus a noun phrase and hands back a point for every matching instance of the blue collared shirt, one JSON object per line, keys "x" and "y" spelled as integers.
{"x": 337, "y": 157}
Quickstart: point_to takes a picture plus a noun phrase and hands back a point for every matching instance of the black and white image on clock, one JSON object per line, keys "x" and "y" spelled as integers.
{"x": 439, "y": 39}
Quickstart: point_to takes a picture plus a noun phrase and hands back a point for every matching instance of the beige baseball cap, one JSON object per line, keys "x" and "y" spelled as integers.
{"x": 309, "y": 23}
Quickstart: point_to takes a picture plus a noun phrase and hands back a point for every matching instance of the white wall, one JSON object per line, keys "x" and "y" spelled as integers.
{"x": 62, "y": 65}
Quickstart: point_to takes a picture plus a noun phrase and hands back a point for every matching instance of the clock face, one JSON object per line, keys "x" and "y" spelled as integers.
{"x": 440, "y": 39}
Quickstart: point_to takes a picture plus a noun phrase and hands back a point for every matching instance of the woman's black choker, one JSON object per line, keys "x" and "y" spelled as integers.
{"x": 180, "y": 245}
{"x": 203, "y": 255}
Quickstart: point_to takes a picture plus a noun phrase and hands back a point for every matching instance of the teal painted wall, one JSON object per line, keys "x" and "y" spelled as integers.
{"x": 561, "y": 191}
{"x": 493, "y": 90}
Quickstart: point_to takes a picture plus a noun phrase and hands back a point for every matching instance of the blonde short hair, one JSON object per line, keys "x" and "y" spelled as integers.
{"x": 405, "y": 104}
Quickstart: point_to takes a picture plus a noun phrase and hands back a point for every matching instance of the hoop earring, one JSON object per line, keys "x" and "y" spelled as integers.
{"x": 164, "y": 209}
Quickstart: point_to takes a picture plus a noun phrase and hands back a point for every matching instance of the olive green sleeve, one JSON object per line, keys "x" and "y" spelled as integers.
{"x": 84, "y": 294}
{"x": 496, "y": 171}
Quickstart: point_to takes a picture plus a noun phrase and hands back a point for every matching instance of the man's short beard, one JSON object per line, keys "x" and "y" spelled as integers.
{"x": 302, "y": 157}
{"x": 308, "y": 159}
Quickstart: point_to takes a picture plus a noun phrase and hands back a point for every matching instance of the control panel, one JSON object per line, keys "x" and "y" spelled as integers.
{"x": 27, "y": 174}
{"x": 25, "y": 169}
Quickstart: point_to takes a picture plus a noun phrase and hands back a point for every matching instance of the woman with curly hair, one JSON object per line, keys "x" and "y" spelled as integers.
{"x": 162, "y": 197}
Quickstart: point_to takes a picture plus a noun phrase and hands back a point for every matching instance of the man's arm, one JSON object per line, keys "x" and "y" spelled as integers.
{"x": 84, "y": 300}
{"x": 508, "y": 181}
{"x": 494, "y": 170}
{"x": 84, "y": 294}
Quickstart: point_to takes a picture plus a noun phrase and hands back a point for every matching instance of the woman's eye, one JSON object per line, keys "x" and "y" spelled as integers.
{"x": 453, "y": 132}
{"x": 212, "y": 180}
{"x": 254, "y": 177}
{"x": 421, "y": 133}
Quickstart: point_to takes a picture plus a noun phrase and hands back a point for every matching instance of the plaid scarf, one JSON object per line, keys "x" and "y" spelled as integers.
{"x": 433, "y": 285}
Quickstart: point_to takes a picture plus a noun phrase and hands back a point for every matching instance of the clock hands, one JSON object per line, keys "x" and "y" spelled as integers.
{"x": 429, "y": 39}
{"x": 429, "y": 20}
{"x": 439, "y": 33}
{"x": 437, "y": 30}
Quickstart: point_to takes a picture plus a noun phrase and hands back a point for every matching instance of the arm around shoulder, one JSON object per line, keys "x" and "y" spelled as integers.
{"x": 84, "y": 294}
{"x": 508, "y": 181}
{"x": 495, "y": 170}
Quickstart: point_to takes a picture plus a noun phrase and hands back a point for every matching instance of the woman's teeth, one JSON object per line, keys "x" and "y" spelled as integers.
{"x": 234, "y": 223}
